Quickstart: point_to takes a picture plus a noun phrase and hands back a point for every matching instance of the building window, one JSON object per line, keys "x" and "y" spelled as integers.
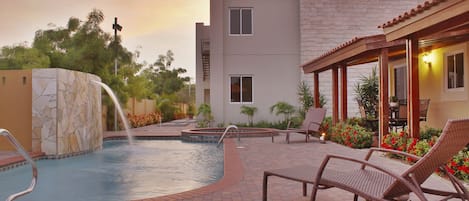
{"x": 240, "y": 21}
{"x": 241, "y": 89}
{"x": 455, "y": 70}
{"x": 400, "y": 82}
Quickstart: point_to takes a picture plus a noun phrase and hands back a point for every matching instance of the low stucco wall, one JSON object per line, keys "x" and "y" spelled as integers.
{"x": 66, "y": 111}
{"x": 15, "y": 107}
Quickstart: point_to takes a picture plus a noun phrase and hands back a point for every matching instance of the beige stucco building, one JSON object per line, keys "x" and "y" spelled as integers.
{"x": 251, "y": 52}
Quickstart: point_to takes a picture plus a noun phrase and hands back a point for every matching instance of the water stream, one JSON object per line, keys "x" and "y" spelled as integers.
{"x": 119, "y": 109}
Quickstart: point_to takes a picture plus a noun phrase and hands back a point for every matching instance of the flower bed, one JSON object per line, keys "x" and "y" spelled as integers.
{"x": 458, "y": 165}
{"x": 351, "y": 135}
{"x": 144, "y": 119}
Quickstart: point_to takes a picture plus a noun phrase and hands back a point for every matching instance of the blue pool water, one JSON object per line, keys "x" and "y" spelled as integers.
{"x": 120, "y": 172}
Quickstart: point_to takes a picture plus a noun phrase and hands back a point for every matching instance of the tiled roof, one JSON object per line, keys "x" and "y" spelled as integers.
{"x": 341, "y": 46}
{"x": 413, "y": 12}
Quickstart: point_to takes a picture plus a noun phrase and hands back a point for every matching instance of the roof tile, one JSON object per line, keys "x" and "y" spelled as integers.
{"x": 411, "y": 13}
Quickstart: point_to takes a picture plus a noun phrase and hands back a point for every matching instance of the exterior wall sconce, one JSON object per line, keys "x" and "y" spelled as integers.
{"x": 426, "y": 58}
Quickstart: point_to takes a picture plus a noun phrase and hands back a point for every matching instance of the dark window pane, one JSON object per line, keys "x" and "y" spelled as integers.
{"x": 450, "y": 71}
{"x": 400, "y": 75}
{"x": 459, "y": 66}
{"x": 235, "y": 86}
{"x": 235, "y": 21}
{"x": 247, "y": 21}
{"x": 247, "y": 89}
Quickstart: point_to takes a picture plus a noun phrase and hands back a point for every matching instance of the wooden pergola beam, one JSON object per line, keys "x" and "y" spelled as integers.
{"x": 343, "y": 96}
{"x": 413, "y": 102}
{"x": 317, "y": 103}
{"x": 335, "y": 95}
{"x": 383, "y": 94}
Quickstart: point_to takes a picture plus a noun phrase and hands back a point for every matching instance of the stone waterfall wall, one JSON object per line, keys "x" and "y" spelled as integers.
{"x": 66, "y": 112}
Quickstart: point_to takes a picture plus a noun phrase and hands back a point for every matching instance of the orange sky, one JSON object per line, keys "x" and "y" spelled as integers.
{"x": 150, "y": 26}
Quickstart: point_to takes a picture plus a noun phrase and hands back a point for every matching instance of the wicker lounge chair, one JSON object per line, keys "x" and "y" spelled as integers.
{"x": 373, "y": 182}
{"x": 311, "y": 124}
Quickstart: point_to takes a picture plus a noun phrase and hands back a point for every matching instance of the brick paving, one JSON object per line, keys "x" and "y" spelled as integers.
{"x": 245, "y": 162}
{"x": 259, "y": 154}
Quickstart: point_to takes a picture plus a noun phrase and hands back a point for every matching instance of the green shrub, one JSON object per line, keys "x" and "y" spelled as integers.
{"x": 356, "y": 121}
{"x": 429, "y": 132}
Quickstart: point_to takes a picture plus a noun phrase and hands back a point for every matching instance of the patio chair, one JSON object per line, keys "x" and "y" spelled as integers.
{"x": 374, "y": 182}
{"x": 310, "y": 125}
{"x": 399, "y": 119}
{"x": 370, "y": 122}
{"x": 424, "y": 103}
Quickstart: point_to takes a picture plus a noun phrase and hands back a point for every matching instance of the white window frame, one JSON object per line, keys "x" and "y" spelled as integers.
{"x": 241, "y": 87}
{"x": 445, "y": 68}
{"x": 240, "y": 21}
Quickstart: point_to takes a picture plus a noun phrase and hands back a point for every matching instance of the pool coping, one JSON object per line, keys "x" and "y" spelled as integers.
{"x": 16, "y": 161}
{"x": 233, "y": 174}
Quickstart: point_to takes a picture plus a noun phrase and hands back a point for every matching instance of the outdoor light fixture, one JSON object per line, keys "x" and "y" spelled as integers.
{"x": 426, "y": 58}
{"x": 322, "y": 139}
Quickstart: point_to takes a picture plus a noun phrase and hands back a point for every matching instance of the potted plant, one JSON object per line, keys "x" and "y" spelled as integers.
{"x": 393, "y": 101}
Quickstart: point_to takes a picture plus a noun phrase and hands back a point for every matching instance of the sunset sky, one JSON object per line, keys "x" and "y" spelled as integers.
{"x": 149, "y": 26}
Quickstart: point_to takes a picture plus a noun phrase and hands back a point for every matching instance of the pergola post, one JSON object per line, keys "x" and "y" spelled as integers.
{"x": 317, "y": 104}
{"x": 413, "y": 102}
{"x": 335, "y": 95}
{"x": 343, "y": 96}
{"x": 383, "y": 94}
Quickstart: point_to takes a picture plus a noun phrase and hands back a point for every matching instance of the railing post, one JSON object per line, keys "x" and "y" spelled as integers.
{"x": 20, "y": 149}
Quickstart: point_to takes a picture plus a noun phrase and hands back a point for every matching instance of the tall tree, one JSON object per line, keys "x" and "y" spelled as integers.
{"x": 166, "y": 80}
{"x": 21, "y": 57}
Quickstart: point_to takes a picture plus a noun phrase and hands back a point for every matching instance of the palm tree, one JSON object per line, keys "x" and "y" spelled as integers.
{"x": 367, "y": 93}
{"x": 305, "y": 97}
{"x": 283, "y": 108}
{"x": 249, "y": 111}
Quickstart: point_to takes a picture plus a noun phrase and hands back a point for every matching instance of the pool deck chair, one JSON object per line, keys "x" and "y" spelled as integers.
{"x": 374, "y": 182}
{"x": 311, "y": 124}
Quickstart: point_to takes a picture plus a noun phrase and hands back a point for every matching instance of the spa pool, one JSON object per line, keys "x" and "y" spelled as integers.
{"x": 147, "y": 169}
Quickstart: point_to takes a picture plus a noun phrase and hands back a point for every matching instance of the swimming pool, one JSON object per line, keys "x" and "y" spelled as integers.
{"x": 150, "y": 168}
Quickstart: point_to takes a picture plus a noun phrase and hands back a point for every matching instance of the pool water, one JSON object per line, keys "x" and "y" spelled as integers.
{"x": 147, "y": 169}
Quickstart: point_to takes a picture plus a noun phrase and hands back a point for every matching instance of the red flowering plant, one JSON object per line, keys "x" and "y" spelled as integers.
{"x": 351, "y": 135}
{"x": 458, "y": 165}
{"x": 396, "y": 141}
{"x": 326, "y": 127}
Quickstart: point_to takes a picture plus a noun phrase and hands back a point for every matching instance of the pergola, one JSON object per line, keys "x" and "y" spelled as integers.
{"x": 433, "y": 25}
{"x": 429, "y": 26}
